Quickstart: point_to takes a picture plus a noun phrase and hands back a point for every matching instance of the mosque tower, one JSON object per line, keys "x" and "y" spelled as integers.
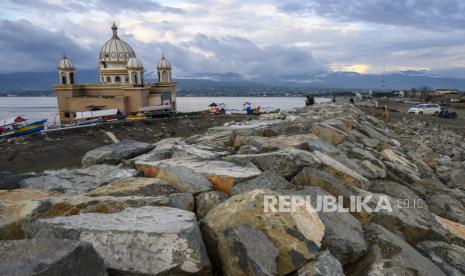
{"x": 66, "y": 71}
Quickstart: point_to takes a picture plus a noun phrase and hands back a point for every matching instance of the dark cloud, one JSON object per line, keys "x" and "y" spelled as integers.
{"x": 417, "y": 13}
{"x": 26, "y": 47}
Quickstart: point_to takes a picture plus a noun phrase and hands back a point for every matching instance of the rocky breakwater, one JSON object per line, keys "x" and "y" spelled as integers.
{"x": 323, "y": 190}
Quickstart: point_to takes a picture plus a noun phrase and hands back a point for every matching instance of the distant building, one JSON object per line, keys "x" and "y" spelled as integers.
{"x": 121, "y": 85}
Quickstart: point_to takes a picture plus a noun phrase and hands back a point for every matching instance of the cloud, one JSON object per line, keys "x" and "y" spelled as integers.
{"x": 26, "y": 47}
{"x": 417, "y": 13}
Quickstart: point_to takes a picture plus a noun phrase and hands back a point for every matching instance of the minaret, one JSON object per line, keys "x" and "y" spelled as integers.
{"x": 135, "y": 71}
{"x": 66, "y": 71}
{"x": 164, "y": 70}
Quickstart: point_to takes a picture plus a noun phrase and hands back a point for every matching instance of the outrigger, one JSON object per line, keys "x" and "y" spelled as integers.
{"x": 18, "y": 126}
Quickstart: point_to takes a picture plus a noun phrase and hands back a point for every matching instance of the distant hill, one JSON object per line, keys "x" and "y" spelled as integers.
{"x": 325, "y": 80}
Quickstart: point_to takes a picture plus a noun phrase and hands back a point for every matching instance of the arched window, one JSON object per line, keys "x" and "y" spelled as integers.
{"x": 71, "y": 78}
{"x": 108, "y": 79}
{"x": 63, "y": 79}
{"x": 117, "y": 79}
{"x": 134, "y": 78}
{"x": 164, "y": 76}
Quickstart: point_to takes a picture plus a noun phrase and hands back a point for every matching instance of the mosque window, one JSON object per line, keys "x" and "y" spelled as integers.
{"x": 108, "y": 79}
{"x": 164, "y": 76}
{"x": 63, "y": 79}
{"x": 67, "y": 114}
{"x": 117, "y": 79}
{"x": 71, "y": 78}
{"x": 134, "y": 77}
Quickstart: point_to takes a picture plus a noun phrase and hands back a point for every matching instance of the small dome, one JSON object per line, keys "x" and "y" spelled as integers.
{"x": 163, "y": 64}
{"x": 134, "y": 63}
{"x": 115, "y": 49}
{"x": 65, "y": 63}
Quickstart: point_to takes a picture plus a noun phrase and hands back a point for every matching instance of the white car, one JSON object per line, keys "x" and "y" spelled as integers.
{"x": 427, "y": 109}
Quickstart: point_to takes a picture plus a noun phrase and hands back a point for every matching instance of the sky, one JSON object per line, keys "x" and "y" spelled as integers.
{"x": 276, "y": 39}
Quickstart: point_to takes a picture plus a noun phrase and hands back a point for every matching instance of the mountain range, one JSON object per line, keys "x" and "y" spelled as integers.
{"x": 317, "y": 80}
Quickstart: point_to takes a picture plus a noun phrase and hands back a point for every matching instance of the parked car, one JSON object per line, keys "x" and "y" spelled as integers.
{"x": 427, "y": 109}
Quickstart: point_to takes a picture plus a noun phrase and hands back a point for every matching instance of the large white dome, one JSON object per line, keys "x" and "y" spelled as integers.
{"x": 116, "y": 50}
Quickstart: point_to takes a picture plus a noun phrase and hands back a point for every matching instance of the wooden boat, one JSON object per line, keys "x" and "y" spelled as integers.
{"x": 18, "y": 126}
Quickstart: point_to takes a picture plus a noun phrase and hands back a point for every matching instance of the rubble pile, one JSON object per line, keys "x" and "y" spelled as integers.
{"x": 229, "y": 202}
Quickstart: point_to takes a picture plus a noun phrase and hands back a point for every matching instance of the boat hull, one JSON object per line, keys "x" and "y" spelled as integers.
{"x": 30, "y": 128}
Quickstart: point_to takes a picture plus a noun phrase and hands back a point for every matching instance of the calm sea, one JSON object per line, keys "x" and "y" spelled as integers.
{"x": 46, "y": 107}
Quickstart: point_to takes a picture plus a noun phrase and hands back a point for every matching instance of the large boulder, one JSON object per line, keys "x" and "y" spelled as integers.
{"x": 9, "y": 181}
{"x": 449, "y": 257}
{"x": 222, "y": 174}
{"x": 18, "y": 207}
{"x": 329, "y": 133}
{"x": 205, "y": 202}
{"x": 343, "y": 232}
{"x": 184, "y": 179}
{"x": 137, "y": 241}
{"x": 114, "y": 153}
{"x": 50, "y": 257}
{"x": 135, "y": 186}
{"x": 325, "y": 264}
{"x": 297, "y": 235}
{"x": 252, "y": 253}
{"x": 163, "y": 150}
{"x": 390, "y": 255}
{"x": 264, "y": 144}
{"x": 77, "y": 181}
{"x": 447, "y": 207}
{"x": 200, "y": 151}
{"x": 267, "y": 180}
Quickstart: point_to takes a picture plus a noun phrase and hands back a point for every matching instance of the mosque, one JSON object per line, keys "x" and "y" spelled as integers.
{"x": 121, "y": 85}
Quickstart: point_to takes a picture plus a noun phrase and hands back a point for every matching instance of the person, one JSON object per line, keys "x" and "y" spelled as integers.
{"x": 352, "y": 100}
{"x": 248, "y": 110}
{"x": 334, "y": 99}
{"x": 310, "y": 100}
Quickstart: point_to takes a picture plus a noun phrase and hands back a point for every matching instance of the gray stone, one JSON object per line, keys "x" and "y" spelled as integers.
{"x": 267, "y": 180}
{"x": 321, "y": 145}
{"x": 457, "y": 179}
{"x": 329, "y": 133}
{"x": 390, "y": 255}
{"x": 199, "y": 151}
{"x": 184, "y": 179}
{"x": 343, "y": 232}
{"x": 236, "y": 171}
{"x": 205, "y": 202}
{"x": 251, "y": 252}
{"x": 49, "y": 257}
{"x": 114, "y": 153}
{"x": 447, "y": 207}
{"x": 325, "y": 264}
{"x": 163, "y": 150}
{"x": 247, "y": 149}
{"x": 78, "y": 181}
{"x": 137, "y": 241}
{"x": 135, "y": 186}
{"x": 449, "y": 257}
{"x": 9, "y": 181}
{"x": 183, "y": 201}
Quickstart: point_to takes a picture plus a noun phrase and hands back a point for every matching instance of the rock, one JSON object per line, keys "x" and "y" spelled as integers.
{"x": 297, "y": 235}
{"x": 135, "y": 186}
{"x": 371, "y": 143}
{"x": 343, "y": 232}
{"x": 447, "y": 207}
{"x": 264, "y": 144}
{"x": 250, "y": 252}
{"x": 238, "y": 172}
{"x": 77, "y": 181}
{"x": 453, "y": 228}
{"x": 50, "y": 257}
{"x": 199, "y": 151}
{"x": 325, "y": 264}
{"x": 285, "y": 162}
{"x": 9, "y": 181}
{"x": 184, "y": 179}
{"x": 215, "y": 136}
{"x": 137, "y": 241}
{"x": 390, "y": 255}
{"x": 205, "y": 202}
{"x": 114, "y": 153}
{"x": 328, "y": 133}
{"x": 18, "y": 207}
{"x": 267, "y": 180}
{"x": 457, "y": 179}
{"x": 163, "y": 150}
{"x": 184, "y": 201}
{"x": 247, "y": 149}
{"x": 449, "y": 257}
{"x": 321, "y": 145}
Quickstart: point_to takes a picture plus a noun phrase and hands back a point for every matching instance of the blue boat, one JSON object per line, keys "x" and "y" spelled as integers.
{"x": 19, "y": 127}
